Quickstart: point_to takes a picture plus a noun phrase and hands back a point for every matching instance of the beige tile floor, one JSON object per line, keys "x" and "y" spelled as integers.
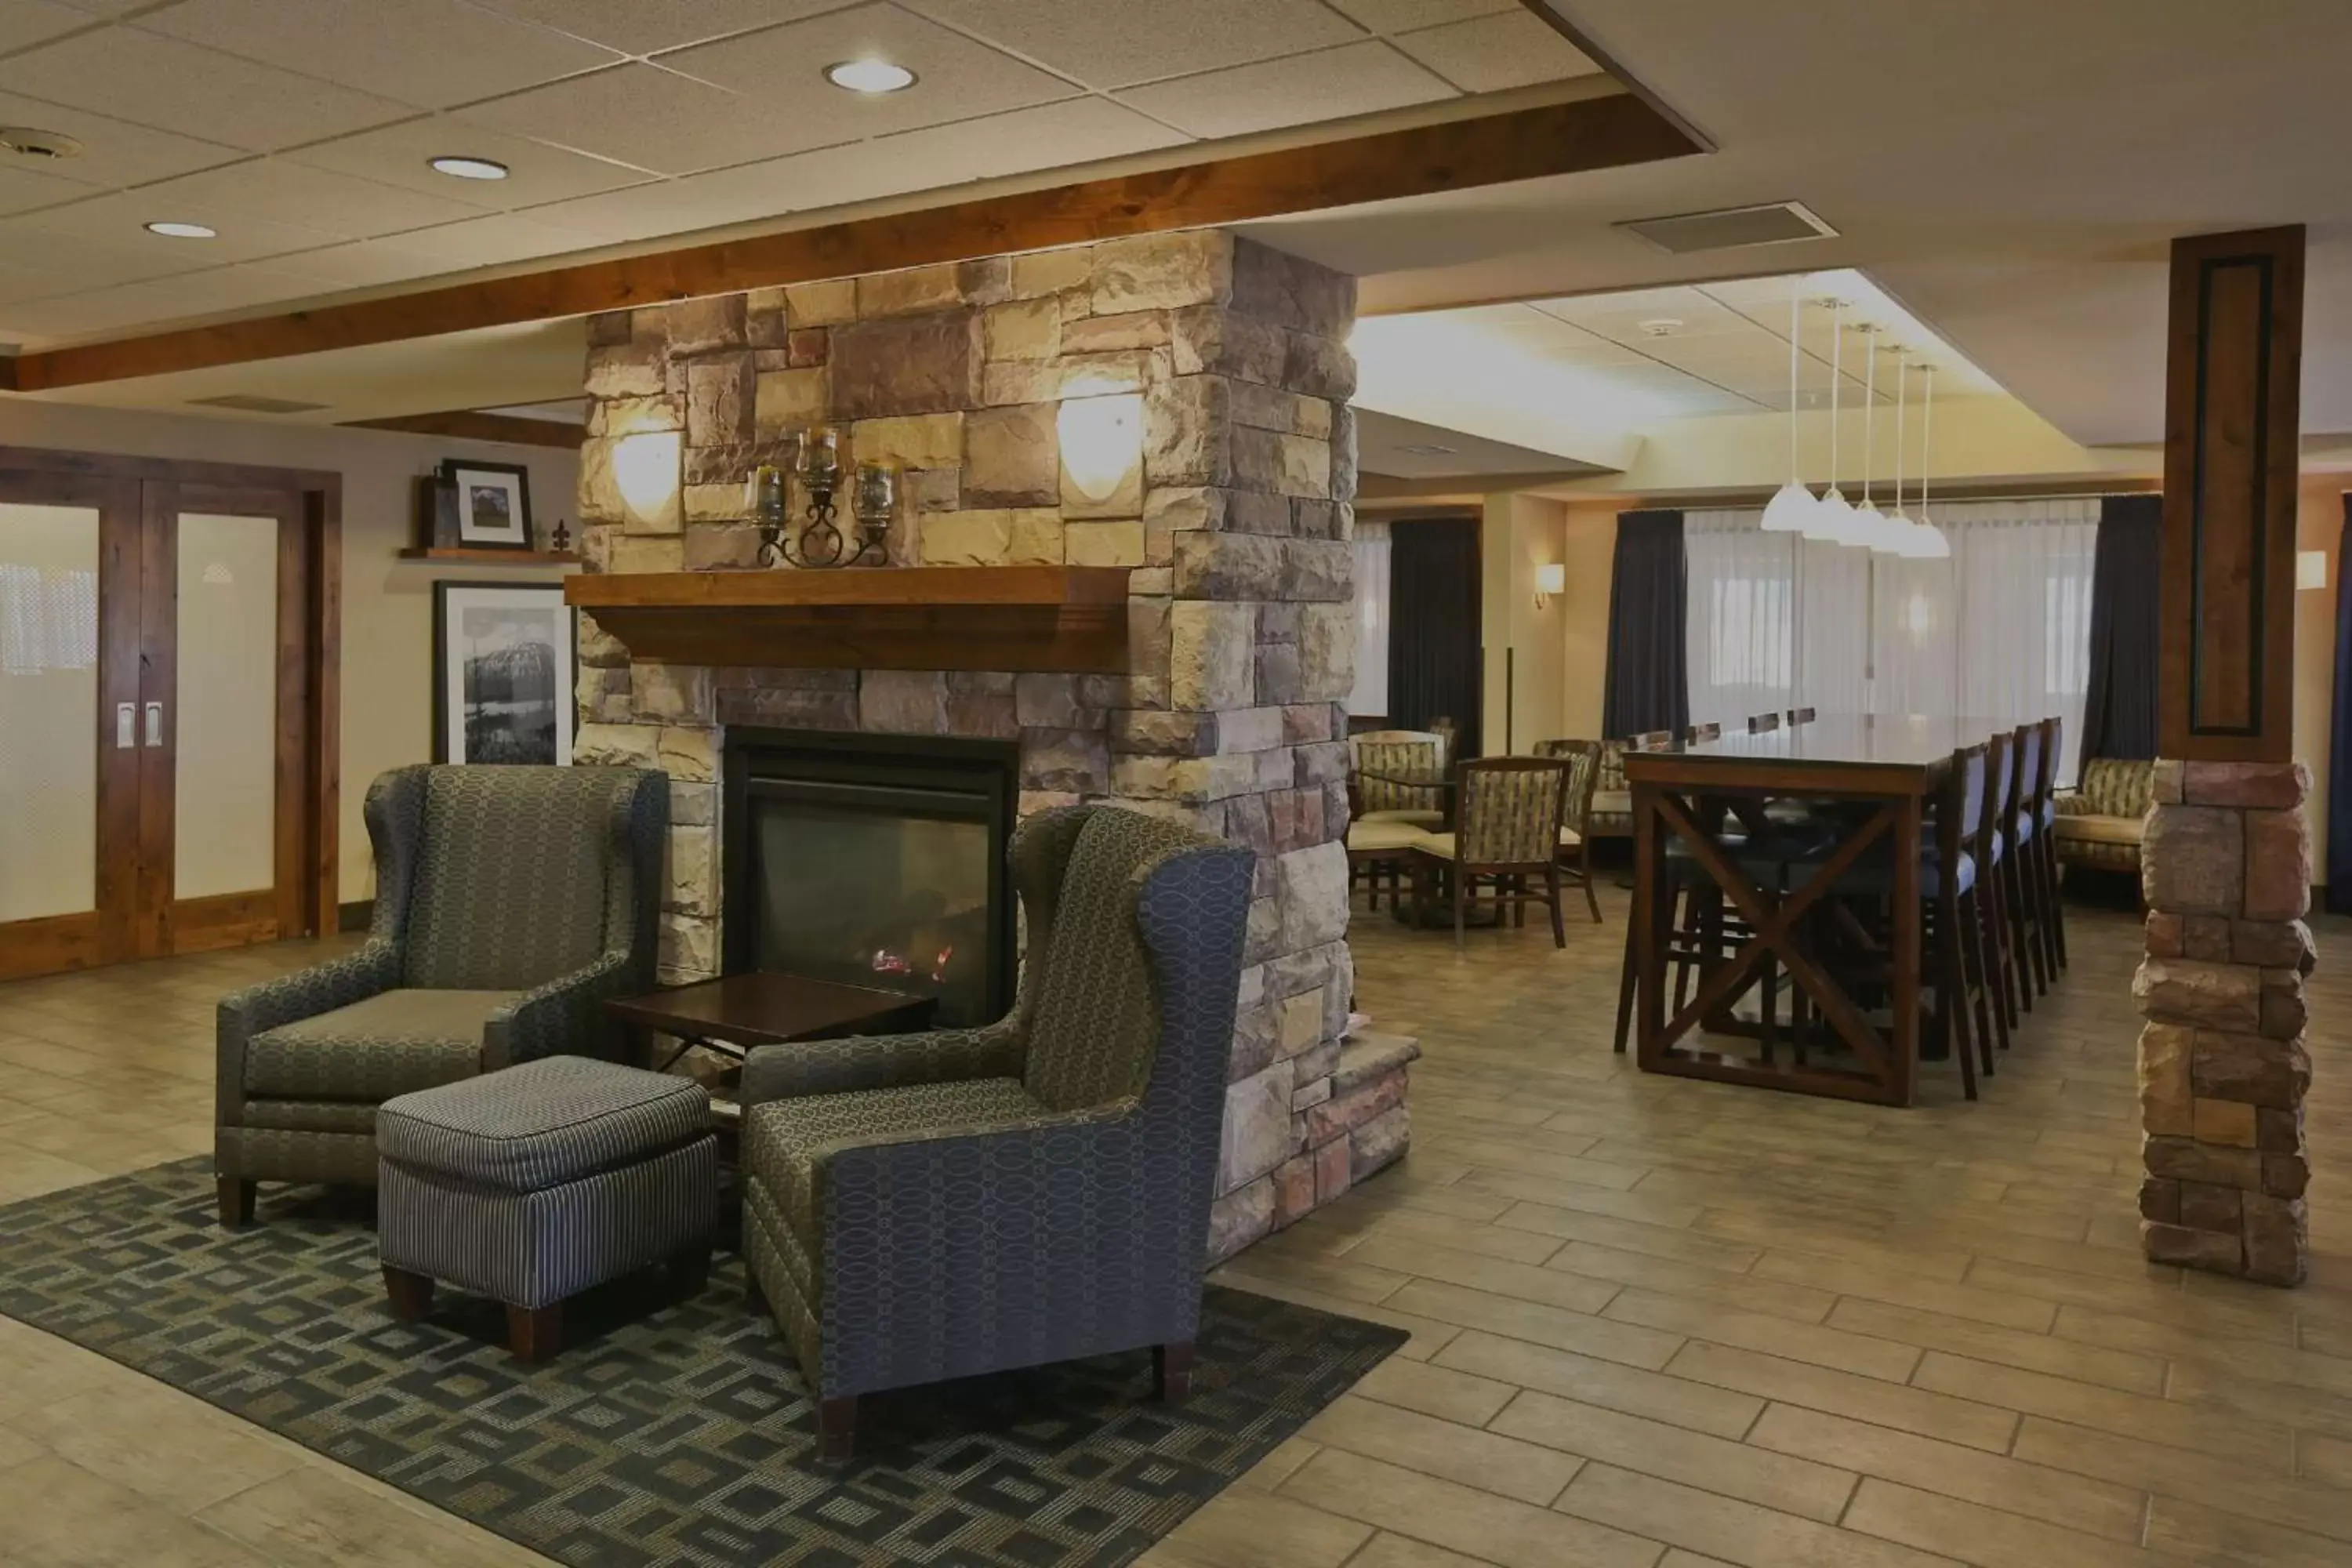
{"x": 1656, "y": 1323}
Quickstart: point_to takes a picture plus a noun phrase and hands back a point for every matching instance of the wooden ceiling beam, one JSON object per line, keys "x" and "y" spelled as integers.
{"x": 1568, "y": 138}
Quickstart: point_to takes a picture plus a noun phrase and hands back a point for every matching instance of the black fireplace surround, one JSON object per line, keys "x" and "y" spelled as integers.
{"x": 875, "y": 860}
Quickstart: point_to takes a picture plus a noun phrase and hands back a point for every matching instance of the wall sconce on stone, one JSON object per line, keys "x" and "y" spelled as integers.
{"x": 1552, "y": 578}
{"x": 1101, "y": 443}
{"x": 646, "y": 472}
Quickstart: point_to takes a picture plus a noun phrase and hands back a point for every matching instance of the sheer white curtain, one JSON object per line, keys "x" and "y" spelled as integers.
{"x": 1372, "y": 547}
{"x": 2002, "y": 629}
{"x": 1739, "y": 630}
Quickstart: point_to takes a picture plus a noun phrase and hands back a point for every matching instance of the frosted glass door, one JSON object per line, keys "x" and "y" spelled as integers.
{"x": 49, "y": 721}
{"x": 223, "y": 720}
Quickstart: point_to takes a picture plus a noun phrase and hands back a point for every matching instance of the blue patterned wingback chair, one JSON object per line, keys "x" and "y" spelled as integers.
{"x": 511, "y": 903}
{"x": 926, "y": 1206}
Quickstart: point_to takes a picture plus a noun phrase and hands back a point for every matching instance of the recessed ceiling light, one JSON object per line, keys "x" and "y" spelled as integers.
{"x": 471, "y": 168}
{"x": 44, "y": 146}
{"x": 870, "y": 76}
{"x": 1662, "y": 326}
{"x": 184, "y": 230}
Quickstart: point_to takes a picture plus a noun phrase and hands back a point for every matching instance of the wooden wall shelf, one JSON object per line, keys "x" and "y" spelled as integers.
{"x": 1017, "y": 618}
{"x": 492, "y": 557}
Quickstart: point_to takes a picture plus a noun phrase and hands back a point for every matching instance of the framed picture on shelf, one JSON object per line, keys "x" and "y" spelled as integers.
{"x": 505, "y": 670}
{"x": 493, "y": 503}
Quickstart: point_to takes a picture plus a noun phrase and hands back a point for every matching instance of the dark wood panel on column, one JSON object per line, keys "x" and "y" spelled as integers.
{"x": 2233, "y": 366}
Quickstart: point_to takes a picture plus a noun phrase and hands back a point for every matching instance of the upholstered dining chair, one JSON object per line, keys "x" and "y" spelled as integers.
{"x": 511, "y": 903}
{"x": 918, "y": 1207}
{"x": 1376, "y": 756}
{"x": 1507, "y": 823}
{"x": 1583, "y": 759}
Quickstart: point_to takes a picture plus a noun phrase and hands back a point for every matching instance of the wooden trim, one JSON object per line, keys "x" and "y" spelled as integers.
{"x": 124, "y": 466}
{"x": 474, "y": 425}
{"x": 1586, "y": 133}
{"x": 2232, "y": 386}
{"x": 225, "y": 920}
{"x": 324, "y": 783}
{"x": 927, "y": 586}
{"x": 51, "y": 944}
{"x": 159, "y": 665}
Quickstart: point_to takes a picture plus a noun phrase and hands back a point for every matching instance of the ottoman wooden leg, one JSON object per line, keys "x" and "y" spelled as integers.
{"x": 836, "y": 1429}
{"x": 412, "y": 1294}
{"x": 235, "y": 1202}
{"x": 1171, "y": 1371}
{"x": 535, "y": 1333}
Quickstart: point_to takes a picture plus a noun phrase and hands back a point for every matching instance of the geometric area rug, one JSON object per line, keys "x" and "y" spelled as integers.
{"x": 668, "y": 1431}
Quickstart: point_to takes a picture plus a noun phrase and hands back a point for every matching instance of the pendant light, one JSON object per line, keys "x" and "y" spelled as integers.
{"x": 1792, "y": 504}
{"x": 1899, "y": 530}
{"x": 1931, "y": 544}
{"x": 1833, "y": 519}
{"x": 1869, "y": 528}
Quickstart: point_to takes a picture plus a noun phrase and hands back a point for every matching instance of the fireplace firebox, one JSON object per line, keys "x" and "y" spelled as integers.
{"x": 874, "y": 860}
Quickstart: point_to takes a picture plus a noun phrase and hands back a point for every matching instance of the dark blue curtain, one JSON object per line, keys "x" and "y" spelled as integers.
{"x": 2119, "y": 707}
{"x": 1434, "y": 627}
{"x": 1648, "y": 687}
{"x": 2340, "y": 748}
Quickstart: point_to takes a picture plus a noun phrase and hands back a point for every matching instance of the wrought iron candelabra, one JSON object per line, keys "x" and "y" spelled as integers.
{"x": 820, "y": 541}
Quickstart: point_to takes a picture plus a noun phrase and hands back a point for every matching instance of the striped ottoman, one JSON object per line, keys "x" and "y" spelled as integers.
{"x": 533, "y": 1184}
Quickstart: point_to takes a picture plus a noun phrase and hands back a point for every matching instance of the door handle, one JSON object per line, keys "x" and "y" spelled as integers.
{"x": 154, "y": 723}
{"x": 126, "y": 726}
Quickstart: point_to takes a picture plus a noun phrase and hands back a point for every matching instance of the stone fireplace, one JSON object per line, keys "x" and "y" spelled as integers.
{"x": 1174, "y": 406}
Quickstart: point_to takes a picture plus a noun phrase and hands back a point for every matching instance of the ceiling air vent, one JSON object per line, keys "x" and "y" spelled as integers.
{"x": 1774, "y": 223}
{"x": 247, "y": 403}
{"x": 41, "y": 146}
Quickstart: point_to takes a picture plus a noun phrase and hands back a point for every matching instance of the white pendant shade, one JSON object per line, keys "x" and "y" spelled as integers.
{"x": 1833, "y": 519}
{"x": 1869, "y": 528}
{"x": 1790, "y": 507}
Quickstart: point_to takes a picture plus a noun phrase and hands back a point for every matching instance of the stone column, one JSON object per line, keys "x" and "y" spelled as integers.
{"x": 2222, "y": 1068}
{"x": 1217, "y": 371}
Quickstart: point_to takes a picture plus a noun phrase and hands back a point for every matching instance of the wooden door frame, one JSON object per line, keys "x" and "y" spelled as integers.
{"x": 308, "y": 719}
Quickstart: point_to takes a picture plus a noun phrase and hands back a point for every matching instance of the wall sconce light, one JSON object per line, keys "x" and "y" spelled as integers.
{"x": 1101, "y": 441}
{"x": 1552, "y": 578}
{"x": 2311, "y": 569}
{"x": 645, "y": 470}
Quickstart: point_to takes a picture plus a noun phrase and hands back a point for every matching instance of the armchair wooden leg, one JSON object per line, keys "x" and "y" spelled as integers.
{"x": 236, "y": 1201}
{"x": 836, "y": 1430}
{"x": 411, "y": 1294}
{"x": 534, "y": 1333}
{"x": 1172, "y": 1372}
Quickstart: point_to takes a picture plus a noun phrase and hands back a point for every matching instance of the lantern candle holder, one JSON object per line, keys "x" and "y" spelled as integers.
{"x": 820, "y": 541}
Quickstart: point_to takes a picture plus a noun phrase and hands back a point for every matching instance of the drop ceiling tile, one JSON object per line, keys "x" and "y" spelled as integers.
{"x": 24, "y": 189}
{"x": 1491, "y": 54}
{"x": 645, "y": 26}
{"x": 430, "y": 53}
{"x": 118, "y": 220}
{"x": 23, "y": 23}
{"x": 401, "y": 155}
{"x": 276, "y": 191}
{"x": 1119, "y": 43}
{"x": 133, "y": 307}
{"x": 18, "y": 284}
{"x": 1355, "y": 79}
{"x": 654, "y": 119}
{"x": 89, "y": 264}
{"x": 490, "y": 241}
{"x": 172, "y": 85}
{"x": 1407, "y": 16}
{"x": 783, "y": 67}
{"x": 114, "y": 151}
{"x": 360, "y": 264}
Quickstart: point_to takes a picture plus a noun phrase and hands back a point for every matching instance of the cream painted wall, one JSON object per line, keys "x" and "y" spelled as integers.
{"x": 387, "y": 700}
{"x": 2319, "y": 525}
{"x": 1590, "y": 545}
{"x": 1521, "y": 532}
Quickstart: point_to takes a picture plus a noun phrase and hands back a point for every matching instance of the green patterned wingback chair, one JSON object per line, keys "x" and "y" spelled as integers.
{"x": 920, "y": 1207}
{"x": 511, "y": 903}
{"x": 2102, "y": 824}
{"x": 1380, "y": 797}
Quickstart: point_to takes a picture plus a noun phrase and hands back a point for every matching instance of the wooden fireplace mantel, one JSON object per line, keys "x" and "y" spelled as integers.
{"x": 1016, "y": 618}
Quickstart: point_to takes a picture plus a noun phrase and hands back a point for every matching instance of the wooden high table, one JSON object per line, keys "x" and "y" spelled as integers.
{"x": 1887, "y": 769}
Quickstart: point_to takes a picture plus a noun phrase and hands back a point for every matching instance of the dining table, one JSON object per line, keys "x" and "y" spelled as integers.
{"x": 1863, "y": 786}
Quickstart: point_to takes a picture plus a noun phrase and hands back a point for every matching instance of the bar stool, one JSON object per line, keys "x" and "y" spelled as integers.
{"x": 2021, "y": 886}
{"x": 1801, "y": 716}
{"x": 2045, "y": 847}
{"x": 1998, "y": 872}
{"x": 1763, "y": 724}
{"x": 1698, "y": 732}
